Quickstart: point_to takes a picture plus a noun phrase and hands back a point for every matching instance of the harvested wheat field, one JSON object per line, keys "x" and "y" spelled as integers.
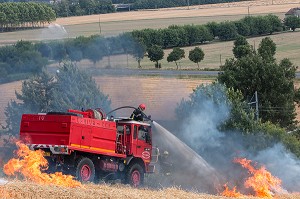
{"x": 235, "y": 8}
{"x": 112, "y": 24}
{"x": 23, "y": 190}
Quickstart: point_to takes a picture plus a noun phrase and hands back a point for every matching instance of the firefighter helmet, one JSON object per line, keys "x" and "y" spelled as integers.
{"x": 142, "y": 107}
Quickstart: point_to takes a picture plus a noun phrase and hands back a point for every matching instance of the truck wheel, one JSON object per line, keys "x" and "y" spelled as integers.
{"x": 85, "y": 170}
{"x": 135, "y": 175}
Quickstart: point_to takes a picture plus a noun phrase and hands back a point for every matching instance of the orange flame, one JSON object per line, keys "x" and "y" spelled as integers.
{"x": 231, "y": 193}
{"x": 261, "y": 181}
{"x": 31, "y": 164}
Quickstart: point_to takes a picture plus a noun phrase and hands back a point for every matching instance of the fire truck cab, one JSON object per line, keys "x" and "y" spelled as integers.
{"x": 91, "y": 146}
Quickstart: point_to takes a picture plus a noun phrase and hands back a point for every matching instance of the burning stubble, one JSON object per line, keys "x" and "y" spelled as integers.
{"x": 32, "y": 166}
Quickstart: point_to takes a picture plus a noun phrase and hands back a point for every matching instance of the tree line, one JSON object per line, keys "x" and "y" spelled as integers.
{"x": 188, "y": 35}
{"x": 67, "y": 8}
{"x": 24, "y": 14}
{"x": 26, "y": 56}
{"x": 154, "y": 4}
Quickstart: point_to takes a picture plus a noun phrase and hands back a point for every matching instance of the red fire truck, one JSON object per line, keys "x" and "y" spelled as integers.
{"x": 91, "y": 146}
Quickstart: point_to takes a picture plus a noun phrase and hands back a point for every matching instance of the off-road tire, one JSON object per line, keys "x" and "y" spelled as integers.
{"x": 85, "y": 170}
{"x": 134, "y": 175}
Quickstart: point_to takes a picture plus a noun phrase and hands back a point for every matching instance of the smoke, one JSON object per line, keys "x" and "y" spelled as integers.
{"x": 201, "y": 132}
{"x": 202, "y": 126}
{"x": 54, "y": 31}
{"x": 3, "y": 182}
{"x": 282, "y": 164}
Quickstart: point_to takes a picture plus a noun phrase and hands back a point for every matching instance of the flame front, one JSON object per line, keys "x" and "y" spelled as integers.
{"x": 261, "y": 181}
{"x": 30, "y": 164}
{"x": 231, "y": 193}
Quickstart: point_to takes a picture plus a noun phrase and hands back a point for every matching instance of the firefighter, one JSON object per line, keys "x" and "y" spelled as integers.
{"x": 165, "y": 163}
{"x": 138, "y": 114}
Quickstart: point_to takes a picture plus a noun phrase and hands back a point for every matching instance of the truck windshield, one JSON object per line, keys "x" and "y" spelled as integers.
{"x": 144, "y": 134}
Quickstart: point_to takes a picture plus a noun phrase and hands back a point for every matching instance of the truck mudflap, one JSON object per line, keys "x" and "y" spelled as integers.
{"x": 55, "y": 149}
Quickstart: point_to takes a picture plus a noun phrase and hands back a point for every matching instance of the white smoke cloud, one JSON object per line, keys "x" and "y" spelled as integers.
{"x": 219, "y": 149}
{"x": 54, "y": 31}
{"x": 202, "y": 126}
{"x": 282, "y": 164}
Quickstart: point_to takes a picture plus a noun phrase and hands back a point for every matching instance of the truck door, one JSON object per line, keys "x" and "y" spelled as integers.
{"x": 128, "y": 139}
{"x": 85, "y": 137}
{"x": 143, "y": 147}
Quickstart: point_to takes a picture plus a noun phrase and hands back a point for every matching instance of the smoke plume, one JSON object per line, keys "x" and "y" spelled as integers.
{"x": 201, "y": 132}
{"x": 282, "y": 164}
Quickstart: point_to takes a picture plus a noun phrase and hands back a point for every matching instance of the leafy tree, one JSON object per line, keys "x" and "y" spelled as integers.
{"x": 22, "y": 46}
{"x": 198, "y": 34}
{"x": 213, "y": 28}
{"x": 2, "y": 20}
{"x": 273, "y": 82}
{"x": 133, "y": 44}
{"x": 32, "y": 61}
{"x": 26, "y": 58}
{"x": 275, "y": 22}
{"x": 263, "y": 25}
{"x": 73, "y": 51}
{"x": 170, "y": 37}
{"x": 192, "y": 33}
{"x": 112, "y": 45}
{"x": 126, "y": 41}
{"x": 267, "y": 48}
{"x": 36, "y": 96}
{"x": 176, "y": 55}
{"x": 241, "y": 47}
{"x": 44, "y": 49}
{"x": 196, "y": 55}
{"x": 251, "y": 23}
{"x": 70, "y": 88}
{"x": 95, "y": 48}
{"x": 138, "y": 51}
{"x": 242, "y": 28}
{"x": 181, "y": 33}
{"x": 204, "y": 34}
{"x": 155, "y": 53}
{"x": 76, "y": 89}
{"x": 226, "y": 31}
{"x": 58, "y": 51}
{"x": 150, "y": 37}
{"x": 292, "y": 22}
